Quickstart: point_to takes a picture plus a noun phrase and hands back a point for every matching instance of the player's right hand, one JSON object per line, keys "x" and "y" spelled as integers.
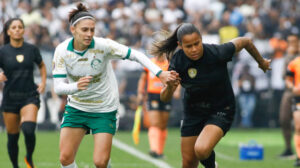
{"x": 83, "y": 82}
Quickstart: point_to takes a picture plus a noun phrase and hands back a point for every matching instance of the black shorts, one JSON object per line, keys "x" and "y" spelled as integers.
{"x": 154, "y": 103}
{"x": 296, "y": 104}
{"x": 196, "y": 118}
{"x": 15, "y": 105}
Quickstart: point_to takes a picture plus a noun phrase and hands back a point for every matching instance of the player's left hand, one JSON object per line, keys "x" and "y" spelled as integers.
{"x": 168, "y": 76}
{"x": 41, "y": 88}
{"x": 265, "y": 65}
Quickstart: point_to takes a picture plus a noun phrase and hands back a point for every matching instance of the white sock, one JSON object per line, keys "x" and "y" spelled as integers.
{"x": 72, "y": 165}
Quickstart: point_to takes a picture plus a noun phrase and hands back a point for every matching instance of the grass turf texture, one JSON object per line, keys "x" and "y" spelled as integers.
{"x": 46, "y": 154}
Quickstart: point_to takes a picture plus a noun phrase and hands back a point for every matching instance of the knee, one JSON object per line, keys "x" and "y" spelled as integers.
{"x": 28, "y": 127}
{"x": 101, "y": 163}
{"x": 66, "y": 159}
{"x": 202, "y": 153}
{"x": 190, "y": 163}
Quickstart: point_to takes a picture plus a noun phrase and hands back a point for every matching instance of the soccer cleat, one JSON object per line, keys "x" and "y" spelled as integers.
{"x": 28, "y": 165}
{"x": 287, "y": 154}
{"x": 156, "y": 156}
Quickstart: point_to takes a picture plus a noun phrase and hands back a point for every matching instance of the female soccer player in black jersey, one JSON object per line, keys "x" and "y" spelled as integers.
{"x": 209, "y": 104}
{"x": 21, "y": 101}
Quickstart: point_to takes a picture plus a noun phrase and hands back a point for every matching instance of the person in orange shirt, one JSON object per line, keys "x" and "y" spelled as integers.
{"x": 158, "y": 111}
{"x": 293, "y": 82}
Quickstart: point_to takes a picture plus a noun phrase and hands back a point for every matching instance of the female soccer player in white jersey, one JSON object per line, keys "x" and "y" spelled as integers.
{"x": 82, "y": 70}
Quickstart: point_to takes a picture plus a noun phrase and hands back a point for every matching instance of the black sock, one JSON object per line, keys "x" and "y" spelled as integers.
{"x": 210, "y": 161}
{"x": 28, "y": 129}
{"x": 13, "y": 148}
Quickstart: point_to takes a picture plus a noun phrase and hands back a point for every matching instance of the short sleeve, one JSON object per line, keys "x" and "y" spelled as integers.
{"x": 226, "y": 51}
{"x": 58, "y": 65}
{"x": 172, "y": 65}
{"x": 116, "y": 50}
{"x": 37, "y": 56}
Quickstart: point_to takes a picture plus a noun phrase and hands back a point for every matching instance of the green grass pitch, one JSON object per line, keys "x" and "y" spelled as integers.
{"x": 47, "y": 150}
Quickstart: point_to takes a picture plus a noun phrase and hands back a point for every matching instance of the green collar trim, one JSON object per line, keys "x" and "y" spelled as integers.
{"x": 71, "y": 48}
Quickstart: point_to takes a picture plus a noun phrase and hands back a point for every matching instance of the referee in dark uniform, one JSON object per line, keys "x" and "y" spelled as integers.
{"x": 21, "y": 101}
{"x": 209, "y": 104}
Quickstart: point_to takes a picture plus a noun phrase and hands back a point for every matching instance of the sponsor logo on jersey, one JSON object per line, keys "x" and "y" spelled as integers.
{"x": 82, "y": 59}
{"x": 221, "y": 114}
{"x": 192, "y": 72}
{"x": 20, "y": 58}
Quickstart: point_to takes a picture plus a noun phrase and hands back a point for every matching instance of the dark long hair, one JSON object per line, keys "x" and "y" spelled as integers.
{"x": 79, "y": 8}
{"x": 6, "y": 27}
{"x": 169, "y": 45}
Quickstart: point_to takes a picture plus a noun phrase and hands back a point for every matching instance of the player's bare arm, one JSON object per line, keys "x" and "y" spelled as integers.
{"x": 42, "y": 85}
{"x": 170, "y": 87}
{"x": 245, "y": 42}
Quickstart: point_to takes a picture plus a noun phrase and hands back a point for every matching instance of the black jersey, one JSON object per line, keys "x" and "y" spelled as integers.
{"x": 206, "y": 79}
{"x": 18, "y": 66}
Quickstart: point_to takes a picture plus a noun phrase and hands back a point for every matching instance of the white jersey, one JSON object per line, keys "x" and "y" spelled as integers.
{"x": 102, "y": 93}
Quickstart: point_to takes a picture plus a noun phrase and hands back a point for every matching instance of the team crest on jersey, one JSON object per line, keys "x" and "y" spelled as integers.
{"x": 20, "y": 58}
{"x": 95, "y": 64}
{"x": 192, "y": 72}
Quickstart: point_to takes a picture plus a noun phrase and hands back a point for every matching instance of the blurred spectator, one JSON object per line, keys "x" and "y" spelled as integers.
{"x": 135, "y": 21}
{"x": 227, "y": 31}
{"x": 286, "y": 113}
{"x": 246, "y": 98}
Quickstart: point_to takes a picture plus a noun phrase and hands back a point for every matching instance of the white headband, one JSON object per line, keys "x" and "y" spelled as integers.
{"x": 84, "y": 17}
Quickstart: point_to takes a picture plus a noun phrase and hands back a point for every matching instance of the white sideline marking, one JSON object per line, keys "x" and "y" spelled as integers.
{"x": 225, "y": 157}
{"x": 137, "y": 153}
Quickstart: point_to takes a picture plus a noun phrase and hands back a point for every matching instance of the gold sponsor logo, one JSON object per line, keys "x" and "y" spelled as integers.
{"x": 86, "y": 101}
{"x": 192, "y": 72}
{"x": 60, "y": 63}
{"x": 96, "y": 51}
{"x": 96, "y": 78}
{"x": 82, "y": 59}
{"x": 20, "y": 58}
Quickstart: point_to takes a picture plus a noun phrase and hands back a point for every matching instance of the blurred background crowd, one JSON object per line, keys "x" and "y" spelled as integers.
{"x": 134, "y": 23}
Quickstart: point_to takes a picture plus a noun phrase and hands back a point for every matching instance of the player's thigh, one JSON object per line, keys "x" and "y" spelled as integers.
{"x": 164, "y": 117}
{"x": 12, "y": 122}
{"x": 70, "y": 139}
{"x": 187, "y": 148}
{"x": 29, "y": 113}
{"x": 154, "y": 117}
{"x": 102, "y": 146}
{"x": 208, "y": 138}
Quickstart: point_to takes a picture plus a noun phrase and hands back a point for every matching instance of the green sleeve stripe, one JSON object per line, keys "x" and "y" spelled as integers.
{"x": 128, "y": 53}
{"x": 158, "y": 73}
{"x": 60, "y": 76}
